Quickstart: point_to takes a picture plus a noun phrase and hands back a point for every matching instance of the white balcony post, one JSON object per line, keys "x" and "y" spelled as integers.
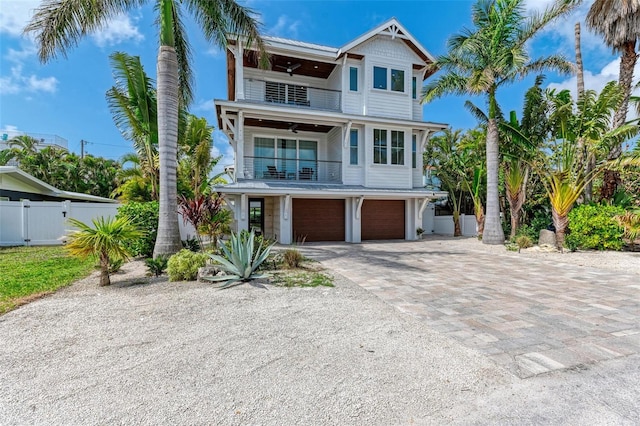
{"x": 239, "y": 137}
{"x": 239, "y": 71}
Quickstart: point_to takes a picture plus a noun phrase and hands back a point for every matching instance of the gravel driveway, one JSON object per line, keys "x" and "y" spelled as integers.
{"x": 151, "y": 352}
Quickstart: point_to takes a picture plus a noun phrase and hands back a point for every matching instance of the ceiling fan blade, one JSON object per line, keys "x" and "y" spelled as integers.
{"x": 295, "y": 66}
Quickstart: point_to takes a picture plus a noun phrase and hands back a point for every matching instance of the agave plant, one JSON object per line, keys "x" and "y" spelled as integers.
{"x": 239, "y": 260}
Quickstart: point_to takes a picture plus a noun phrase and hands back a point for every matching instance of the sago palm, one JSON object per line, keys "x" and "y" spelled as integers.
{"x": 59, "y": 25}
{"x": 105, "y": 240}
{"x": 482, "y": 60}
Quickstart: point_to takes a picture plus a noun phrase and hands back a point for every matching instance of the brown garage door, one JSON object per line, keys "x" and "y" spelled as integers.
{"x": 318, "y": 219}
{"x": 383, "y": 220}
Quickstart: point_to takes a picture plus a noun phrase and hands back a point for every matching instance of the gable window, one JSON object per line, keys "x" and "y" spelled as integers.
{"x": 379, "y": 146}
{"x": 397, "y": 80}
{"x": 414, "y": 151}
{"x": 353, "y": 147}
{"x": 353, "y": 79}
{"x": 380, "y": 78}
{"x": 414, "y": 88}
{"x": 397, "y": 147}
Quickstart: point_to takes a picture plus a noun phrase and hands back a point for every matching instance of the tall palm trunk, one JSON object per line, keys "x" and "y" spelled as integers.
{"x": 560, "y": 222}
{"x": 168, "y": 240}
{"x": 493, "y": 233}
{"x": 579, "y": 66}
{"x": 611, "y": 178}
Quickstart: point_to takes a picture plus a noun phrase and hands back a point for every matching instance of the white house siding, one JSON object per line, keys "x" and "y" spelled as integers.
{"x": 417, "y": 176}
{"x": 353, "y": 101}
{"x": 385, "y": 52}
{"x": 354, "y": 174}
{"x": 417, "y": 106}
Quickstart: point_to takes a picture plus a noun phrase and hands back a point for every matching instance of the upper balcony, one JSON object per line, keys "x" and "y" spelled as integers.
{"x": 272, "y": 92}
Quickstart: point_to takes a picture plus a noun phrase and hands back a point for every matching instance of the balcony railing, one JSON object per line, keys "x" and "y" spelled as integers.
{"x": 283, "y": 169}
{"x": 291, "y": 94}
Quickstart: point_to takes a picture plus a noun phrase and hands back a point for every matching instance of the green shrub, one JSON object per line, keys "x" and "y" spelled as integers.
{"x": 292, "y": 258}
{"x": 595, "y": 227}
{"x": 183, "y": 266}
{"x": 156, "y": 266}
{"x": 145, "y": 217}
{"x": 523, "y": 241}
{"x": 532, "y": 229}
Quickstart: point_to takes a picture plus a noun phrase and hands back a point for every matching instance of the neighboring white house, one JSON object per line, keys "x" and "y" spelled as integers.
{"x": 328, "y": 142}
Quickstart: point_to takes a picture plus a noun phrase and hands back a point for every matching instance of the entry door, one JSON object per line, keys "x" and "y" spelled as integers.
{"x": 256, "y": 215}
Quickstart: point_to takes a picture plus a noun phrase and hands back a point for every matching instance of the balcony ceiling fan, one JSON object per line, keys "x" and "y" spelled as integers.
{"x": 290, "y": 68}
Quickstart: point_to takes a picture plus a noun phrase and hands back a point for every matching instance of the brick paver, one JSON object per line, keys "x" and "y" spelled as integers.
{"x": 528, "y": 314}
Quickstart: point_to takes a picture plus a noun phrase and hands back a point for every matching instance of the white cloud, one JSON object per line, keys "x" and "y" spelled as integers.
{"x": 15, "y": 14}
{"x": 17, "y": 82}
{"x": 563, "y": 29}
{"x": 206, "y": 106}
{"x": 118, "y": 30}
{"x": 285, "y": 27}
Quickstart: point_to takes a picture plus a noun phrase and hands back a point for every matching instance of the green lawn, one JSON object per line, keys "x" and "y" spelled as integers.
{"x": 29, "y": 272}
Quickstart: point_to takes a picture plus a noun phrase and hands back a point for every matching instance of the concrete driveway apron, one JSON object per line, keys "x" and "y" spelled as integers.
{"x": 530, "y": 315}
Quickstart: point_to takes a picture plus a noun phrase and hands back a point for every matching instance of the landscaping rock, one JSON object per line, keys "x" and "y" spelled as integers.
{"x": 207, "y": 271}
{"x": 547, "y": 238}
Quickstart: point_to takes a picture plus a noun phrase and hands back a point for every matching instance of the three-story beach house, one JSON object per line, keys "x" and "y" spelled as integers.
{"x": 328, "y": 141}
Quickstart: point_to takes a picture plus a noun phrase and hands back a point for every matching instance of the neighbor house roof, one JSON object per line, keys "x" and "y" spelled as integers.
{"x": 43, "y": 188}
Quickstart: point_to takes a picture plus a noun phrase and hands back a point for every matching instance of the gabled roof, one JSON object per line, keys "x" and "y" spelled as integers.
{"x": 393, "y": 28}
{"x": 289, "y": 42}
{"x": 47, "y": 189}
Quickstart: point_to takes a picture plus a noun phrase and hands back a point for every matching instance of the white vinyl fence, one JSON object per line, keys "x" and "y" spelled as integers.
{"x": 443, "y": 225}
{"x": 45, "y": 222}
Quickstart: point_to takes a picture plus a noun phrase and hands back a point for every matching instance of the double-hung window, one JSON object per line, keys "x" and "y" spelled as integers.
{"x": 379, "y": 146}
{"x": 397, "y": 147}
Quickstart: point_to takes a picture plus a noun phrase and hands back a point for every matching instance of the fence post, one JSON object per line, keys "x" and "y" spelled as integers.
{"x": 26, "y": 205}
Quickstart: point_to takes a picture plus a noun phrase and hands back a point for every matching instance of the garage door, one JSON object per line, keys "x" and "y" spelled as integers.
{"x": 318, "y": 219}
{"x": 383, "y": 220}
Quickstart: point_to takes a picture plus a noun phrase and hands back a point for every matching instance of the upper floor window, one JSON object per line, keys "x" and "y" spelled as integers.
{"x": 380, "y": 78}
{"x": 379, "y": 146}
{"x": 397, "y": 80}
{"x": 414, "y": 151}
{"x": 414, "y": 88}
{"x": 353, "y": 79}
{"x": 353, "y": 147}
{"x": 397, "y": 147}
{"x": 382, "y": 81}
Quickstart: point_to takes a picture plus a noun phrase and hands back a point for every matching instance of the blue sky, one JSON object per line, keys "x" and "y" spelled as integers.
{"x": 66, "y": 96}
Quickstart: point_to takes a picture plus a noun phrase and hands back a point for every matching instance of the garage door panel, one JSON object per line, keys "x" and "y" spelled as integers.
{"x": 383, "y": 220}
{"x": 318, "y": 219}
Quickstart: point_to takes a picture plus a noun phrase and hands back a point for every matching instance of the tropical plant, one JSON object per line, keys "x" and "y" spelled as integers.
{"x": 240, "y": 261}
{"x": 630, "y": 222}
{"x": 156, "y": 266}
{"x": 196, "y": 162}
{"x": 133, "y": 106}
{"x": 523, "y": 241}
{"x": 201, "y": 211}
{"x": 145, "y": 217}
{"x": 105, "y": 240}
{"x": 594, "y": 227}
{"x": 482, "y": 60}
{"x": 618, "y": 22}
{"x": 184, "y": 265}
{"x": 566, "y": 178}
{"x": 58, "y": 25}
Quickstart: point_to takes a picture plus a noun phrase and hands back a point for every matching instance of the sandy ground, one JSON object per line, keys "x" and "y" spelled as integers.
{"x": 146, "y": 351}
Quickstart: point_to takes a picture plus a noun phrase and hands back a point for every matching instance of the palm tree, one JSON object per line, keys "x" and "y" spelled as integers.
{"x": 566, "y": 179}
{"x": 482, "y": 60}
{"x": 618, "y": 22}
{"x": 105, "y": 240}
{"x": 133, "y": 105}
{"x": 58, "y": 25}
{"x": 196, "y": 162}
{"x": 27, "y": 144}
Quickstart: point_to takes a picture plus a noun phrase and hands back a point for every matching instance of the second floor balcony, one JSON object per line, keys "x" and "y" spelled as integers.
{"x": 273, "y": 92}
{"x": 293, "y": 170}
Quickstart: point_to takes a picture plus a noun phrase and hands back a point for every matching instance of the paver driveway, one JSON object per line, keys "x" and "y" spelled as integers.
{"x": 529, "y": 314}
